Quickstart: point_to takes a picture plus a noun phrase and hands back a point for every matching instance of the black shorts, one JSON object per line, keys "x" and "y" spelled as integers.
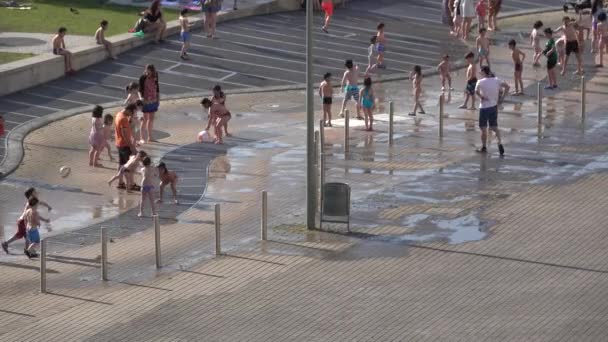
{"x": 470, "y": 88}
{"x": 123, "y": 155}
{"x": 551, "y": 63}
{"x": 571, "y": 46}
{"x": 488, "y": 117}
{"x": 518, "y": 67}
{"x": 327, "y": 100}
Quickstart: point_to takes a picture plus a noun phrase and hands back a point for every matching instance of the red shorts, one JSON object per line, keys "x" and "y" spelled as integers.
{"x": 21, "y": 229}
{"x": 328, "y": 7}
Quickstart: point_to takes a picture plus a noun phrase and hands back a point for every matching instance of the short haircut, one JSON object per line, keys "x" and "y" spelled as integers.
{"x": 469, "y": 55}
{"x": 367, "y": 81}
{"x": 349, "y": 63}
{"x": 146, "y": 161}
{"x": 103, "y": 23}
{"x": 29, "y": 192}
{"x": 97, "y": 111}
{"x": 602, "y": 16}
{"x": 184, "y": 11}
{"x": 206, "y": 102}
{"x": 327, "y": 75}
{"x": 548, "y": 30}
{"x": 538, "y": 24}
{"x": 380, "y": 26}
{"x": 32, "y": 201}
{"x": 486, "y": 70}
{"x": 62, "y": 30}
{"x": 482, "y": 30}
{"x": 162, "y": 165}
{"x": 512, "y": 42}
{"x": 131, "y": 107}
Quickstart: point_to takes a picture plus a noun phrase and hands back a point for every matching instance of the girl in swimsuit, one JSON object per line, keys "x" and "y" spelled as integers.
{"x": 147, "y": 186}
{"x": 535, "y": 42}
{"x": 366, "y": 96}
{"x": 416, "y": 77}
{"x": 96, "y": 137}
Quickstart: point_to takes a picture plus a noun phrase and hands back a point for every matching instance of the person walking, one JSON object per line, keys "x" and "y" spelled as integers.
{"x": 150, "y": 93}
{"x": 491, "y": 92}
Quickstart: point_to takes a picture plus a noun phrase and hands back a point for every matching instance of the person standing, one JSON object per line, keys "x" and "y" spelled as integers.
{"x": 210, "y": 8}
{"x": 468, "y": 14}
{"x": 124, "y": 138}
{"x": 493, "y": 11}
{"x": 491, "y": 92}
{"x": 446, "y": 14}
{"x": 150, "y": 93}
{"x": 154, "y": 21}
{"x": 96, "y": 137}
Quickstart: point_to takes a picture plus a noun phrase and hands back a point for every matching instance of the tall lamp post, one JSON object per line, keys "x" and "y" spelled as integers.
{"x": 311, "y": 191}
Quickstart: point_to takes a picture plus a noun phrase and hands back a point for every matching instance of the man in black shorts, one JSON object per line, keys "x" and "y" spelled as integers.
{"x": 491, "y": 91}
{"x": 569, "y": 30}
{"x": 124, "y": 138}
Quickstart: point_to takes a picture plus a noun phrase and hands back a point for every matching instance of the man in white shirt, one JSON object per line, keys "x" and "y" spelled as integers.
{"x": 491, "y": 91}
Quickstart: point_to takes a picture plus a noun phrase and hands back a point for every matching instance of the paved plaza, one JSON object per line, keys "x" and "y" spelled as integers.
{"x": 446, "y": 244}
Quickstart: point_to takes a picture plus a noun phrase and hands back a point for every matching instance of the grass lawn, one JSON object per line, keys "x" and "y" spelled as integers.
{"x": 7, "y": 57}
{"x": 47, "y": 16}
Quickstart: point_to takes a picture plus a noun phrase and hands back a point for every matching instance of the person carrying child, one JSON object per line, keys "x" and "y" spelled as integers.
{"x": 167, "y": 177}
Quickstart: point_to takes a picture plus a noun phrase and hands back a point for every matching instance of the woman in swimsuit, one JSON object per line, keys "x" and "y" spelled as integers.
{"x": 211, "y": 7}
{"x": 150, "y": 93}
{"x": 366, "y": 96}
{"x": 96, "y": 137}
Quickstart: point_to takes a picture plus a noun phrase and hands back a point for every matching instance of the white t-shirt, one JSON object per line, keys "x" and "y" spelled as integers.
{"x": 490, "y": 88}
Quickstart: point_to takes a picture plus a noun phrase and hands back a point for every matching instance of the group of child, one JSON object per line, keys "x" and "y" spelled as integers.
{"x": 464, "y": 11}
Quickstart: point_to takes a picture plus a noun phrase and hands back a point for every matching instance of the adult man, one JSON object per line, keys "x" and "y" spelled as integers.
{"x": 491, "y": 91}
{"x": 124, "y": 138}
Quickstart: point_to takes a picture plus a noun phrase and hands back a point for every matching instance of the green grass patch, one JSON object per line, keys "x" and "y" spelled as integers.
{"x": 7, "y": 57}
{"x": 46, "y": 16}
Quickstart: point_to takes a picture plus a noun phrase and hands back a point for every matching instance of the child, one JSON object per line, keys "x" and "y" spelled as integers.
{"x": 220, "y": 97}
{"x": 416, "y": 77}
{"x": 483, "y": 47}
{"x": 535, "y": 42}
{"x": 147, "y": 186}
{"x": 571, "y": 45}
{"x": 100, "y": 38}
{"x": 328, "y": 7}
{"x": 457, "y": 19}
{"x": 133, "y": 96}
{"x": 551, "y": 53}
{"x": 351, "y": 89}
{"x": 366, "y": 96}
{"x": 481, "y": 9}
{"x": 444, "y": 72}
{"x": 108, "y": 131}
{"x": 32, "y": 219}
{"x": 21, "y": 224}
{"x": 518, "y": 60}
{"x": 59, "y": 49}
{"x": 97, "y": 138}
{"x": 602, "y": 29}
{"x": 370, "y": 56}
{"x": 380, "y": 46}
{"x": 493, "y": 10}
{"x": 184, "y": 34}
{"x": 560, "y": 44}
{"x": 128, "y": 170}
{"x": 167, "y": 177}
{"x": 326, "y": 92}
{"x": 218, "y": 116}
{"x": 469, "y": 92}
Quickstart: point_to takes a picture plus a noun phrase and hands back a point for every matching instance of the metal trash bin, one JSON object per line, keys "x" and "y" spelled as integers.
{"x": 336, "y": 204}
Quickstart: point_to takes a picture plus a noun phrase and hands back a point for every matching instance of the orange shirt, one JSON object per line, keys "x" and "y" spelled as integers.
{"x": 122, "y": 122}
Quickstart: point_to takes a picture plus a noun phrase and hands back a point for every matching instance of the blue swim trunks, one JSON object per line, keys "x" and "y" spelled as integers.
{"x": 380, "y": 48}
{"x": 33, "y": 235}
{"x": 352, "y": 92}
{"x": 185, "y": 36}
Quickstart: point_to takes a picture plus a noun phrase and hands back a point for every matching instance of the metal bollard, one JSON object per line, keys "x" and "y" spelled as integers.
{"x": 321, "y": 135}
{"x": 391, "y": 113}
{"x": 218, "y": 247}
{"x": 322, "y": 181}
{"x": 539, "y": 99}
{"x": 157, "y": 241}
{"x": 264, "y": 222}
{"x": 43, "y": 266}
{"x": 104, "y": 254}
{"x": 583, "y": 98}
{"x": 441, "y": 109}
{"x": 346, "y": 131}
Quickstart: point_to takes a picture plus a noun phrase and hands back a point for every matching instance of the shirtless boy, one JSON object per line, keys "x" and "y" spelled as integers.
{"x": 518, "y": 61}
{"x": 218, "y": 116}
{"x": 351, "y": 89}
{"x": 326, "y": 92}
{"x": 380, "y": 46}
{"x": 469, "y": 92}
{"x": 184, "y": 33}
{"x": 32, "y": 219}
{"x": 100, "y": 38}
{"x": 572, "y": 46}
{"x": 483, "y": 47}
{"x": 59, "y": 49}
{"x": 444, "y": 72}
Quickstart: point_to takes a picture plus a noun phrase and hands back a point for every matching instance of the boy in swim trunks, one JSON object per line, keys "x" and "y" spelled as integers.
{"x": 380, "y": 46}
{"x": 469, "y": 92}
{"x": 218, "y": 116}
{"x": 326, "y": 92}
{"x": 328, "y": 7}
{"x": 551, "y": 53}
{"x": 59, "y": 49}
{"x": 147, "y": 186}
{"x": 518, "y": 60}
{"x": 571, "y": 45}
{"x": 351, "y": 89}
{"x": 32, "y": 219}
{"x": 184, "y": 33}
{"x": 100, "y": 38}
{"x": 21, "y": 224}
{"x": 167, "y": 177}
{"x": 483, "y": 47}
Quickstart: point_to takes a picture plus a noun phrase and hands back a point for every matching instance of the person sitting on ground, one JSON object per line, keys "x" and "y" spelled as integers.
{"x": 154, "y": 22}
{"x": 60, "y": 50}
{"x": 100, "y": 38}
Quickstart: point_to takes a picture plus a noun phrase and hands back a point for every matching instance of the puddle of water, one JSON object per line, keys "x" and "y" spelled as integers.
{"x": 458, "y": 230}
{"x": 269, "y": 145}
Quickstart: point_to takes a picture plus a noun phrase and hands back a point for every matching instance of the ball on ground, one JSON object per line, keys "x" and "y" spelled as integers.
{"x": 64, "y": 171}
{"x": 203, "y": 136}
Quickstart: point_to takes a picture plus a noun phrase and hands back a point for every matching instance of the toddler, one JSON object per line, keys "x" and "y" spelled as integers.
{"x": 444, "y": 72}
{"x": 366, "y": 97}
{"x": 167, "y": 178}
{"x": 108, "y": 132}
{"x": 96, "y": 137}
{"x": 416, "y": 77}
{"x": 147, "y": 186}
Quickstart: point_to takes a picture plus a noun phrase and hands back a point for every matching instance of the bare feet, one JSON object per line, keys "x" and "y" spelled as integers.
{"x": 98, "y": 165}
{"x": 159, "y": 201}
{"x": 140, "y": 214}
